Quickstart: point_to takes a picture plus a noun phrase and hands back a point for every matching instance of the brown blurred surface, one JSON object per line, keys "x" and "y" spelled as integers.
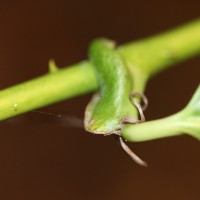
{"x": 43, "y": 160}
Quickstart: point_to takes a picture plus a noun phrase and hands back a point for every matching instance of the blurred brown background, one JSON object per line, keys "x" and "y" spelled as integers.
{"x": 39, "y": 158}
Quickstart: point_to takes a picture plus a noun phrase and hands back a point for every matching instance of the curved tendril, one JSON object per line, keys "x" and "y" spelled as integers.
{"x": 127, "y": 119}
{"x": 144, "y": 99}
{"x": 137, "y": 104}
{"x": 138, "y": 160}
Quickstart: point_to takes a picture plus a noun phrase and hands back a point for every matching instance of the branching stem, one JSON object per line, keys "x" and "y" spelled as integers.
{"x": 144, "y": 59}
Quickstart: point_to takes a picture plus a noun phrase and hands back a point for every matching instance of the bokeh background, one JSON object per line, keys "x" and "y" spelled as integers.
{"x": 41, "y": 156}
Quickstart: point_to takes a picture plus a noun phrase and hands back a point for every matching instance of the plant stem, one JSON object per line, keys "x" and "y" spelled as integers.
{"x": 50, "y": 88}
{"x": 155, "y": 129}
{"x": 185, "y": 121}
{"x": 154, "y": 54}
{"x": 144, "y": 58}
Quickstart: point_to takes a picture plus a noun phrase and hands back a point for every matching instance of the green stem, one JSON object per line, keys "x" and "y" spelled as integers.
{"x": 160, "y": 128}
{"x": 144, "y": 58}
{"x": 185, "y": 121}
{"x": 154, "y": 54}
{"x": 47, "y": 89}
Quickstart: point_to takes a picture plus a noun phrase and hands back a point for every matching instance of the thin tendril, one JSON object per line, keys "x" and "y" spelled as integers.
{"x": 127, "y": 119}
{"x": 138, "y": 160}
{"x": 144, "y": 99}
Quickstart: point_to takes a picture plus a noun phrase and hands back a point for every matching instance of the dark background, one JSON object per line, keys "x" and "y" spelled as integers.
{"x": 42, "y": 159}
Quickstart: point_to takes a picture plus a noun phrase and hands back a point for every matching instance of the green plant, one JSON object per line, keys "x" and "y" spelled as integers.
{"x": 116, "y": 72}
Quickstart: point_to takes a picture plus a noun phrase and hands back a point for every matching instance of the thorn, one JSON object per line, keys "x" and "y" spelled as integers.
{"x": 52, "y": 66}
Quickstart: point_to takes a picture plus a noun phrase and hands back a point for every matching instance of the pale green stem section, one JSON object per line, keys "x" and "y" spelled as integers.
{"x": 185, "y": 121}
{"x": 160, "y": 128}
{"x": 144, "y": 58}
{"x": 153, "y": 54}
{"x": 174, "y": 125}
